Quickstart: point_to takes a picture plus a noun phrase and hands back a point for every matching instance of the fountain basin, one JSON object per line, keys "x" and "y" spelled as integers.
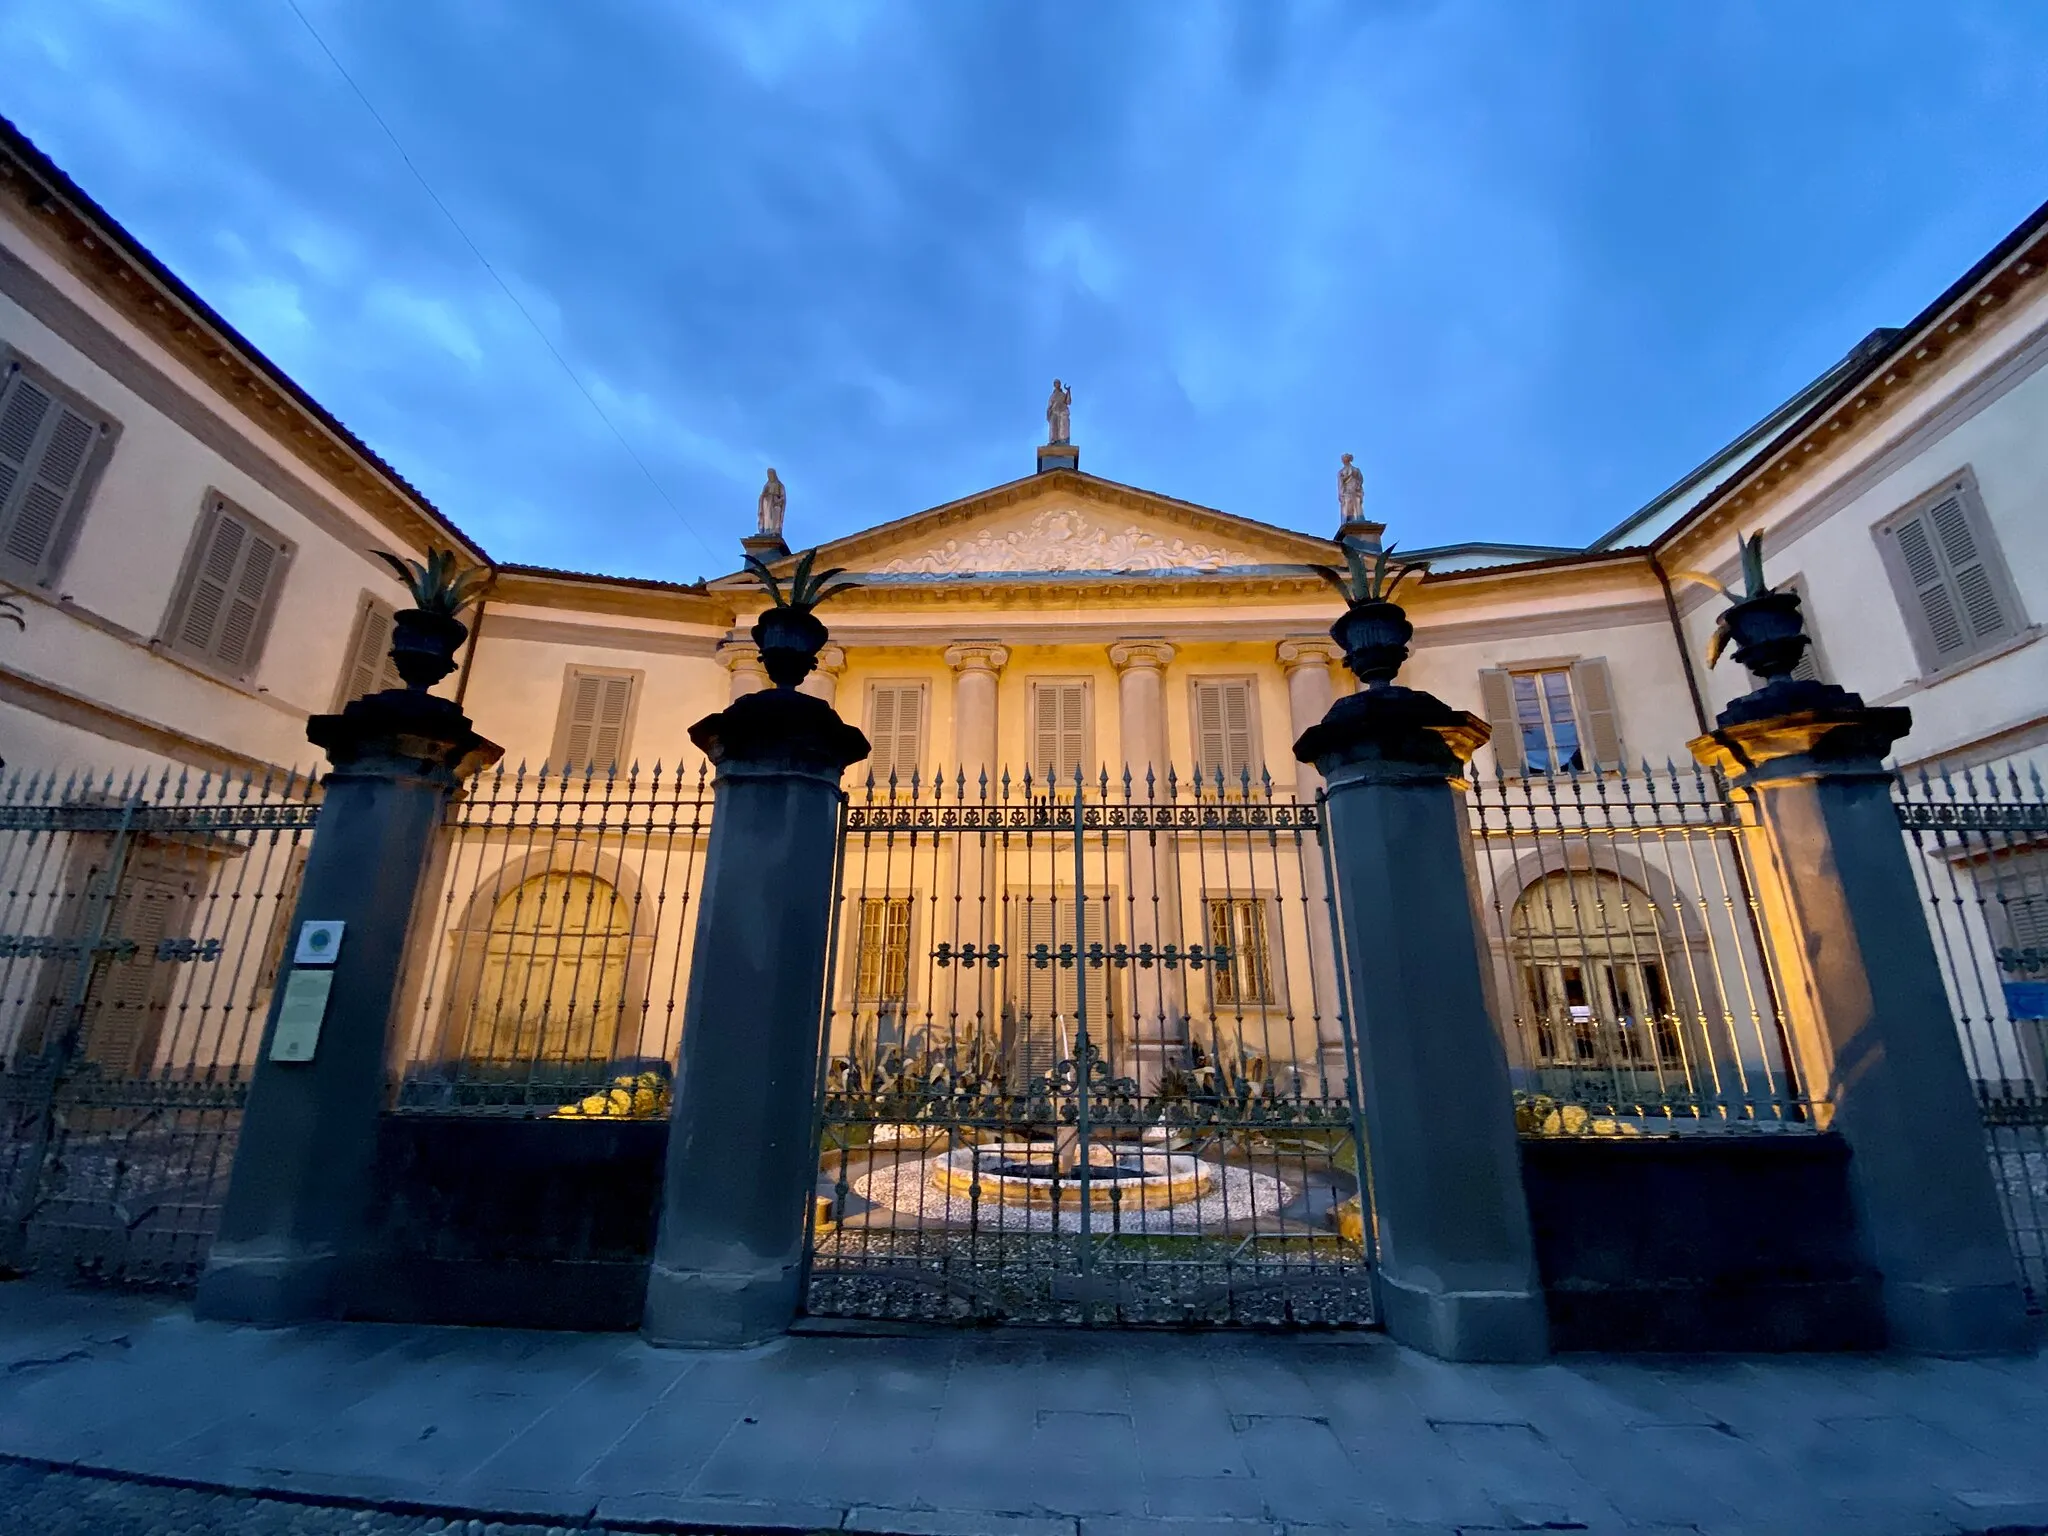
{"x": 1012, "y": 1173}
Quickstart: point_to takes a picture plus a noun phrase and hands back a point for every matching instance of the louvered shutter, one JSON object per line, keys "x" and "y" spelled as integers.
{"x": 228, "y": 593}
{"x": 896, "y": 718}
{"x": 44, "y": 447}
{"x": 1059, "y": 730}
{"x": 1497, "y": 703}
{"x": 608, "y": 737}
{"x": 597, "y": 710}
{"x": 370, "y": 667}
{"x": 1223, "y": 731}
{"x": 1599, "y": 730}
{"x": 1944, "y": 561}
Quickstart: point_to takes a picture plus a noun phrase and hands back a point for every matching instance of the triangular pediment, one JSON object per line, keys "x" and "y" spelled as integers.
{"x": 1066, "y": 523}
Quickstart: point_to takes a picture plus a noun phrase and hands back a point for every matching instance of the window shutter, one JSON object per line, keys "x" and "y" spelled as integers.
{"x": 44, "y": 446}
{"x": 582, "y": 726}
{"x": 1951, "y": 580}
{"x": 370, "y": 667}
{"x": 1599, "y": 732}
{"x": 228, "y": 593}
{"x": 1059, "y": 730}
{"x": 608, "y": 735}
{"x": 1497, "y": 703}
{"x": 1209, "y": 744}
{"x": 896, "y": 713}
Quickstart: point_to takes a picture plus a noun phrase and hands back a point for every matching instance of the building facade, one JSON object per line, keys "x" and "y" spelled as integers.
{"x": 192, "y": 540}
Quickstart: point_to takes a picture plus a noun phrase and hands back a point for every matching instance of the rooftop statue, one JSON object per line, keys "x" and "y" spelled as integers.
{"x": 774, "y": 498}
{"x": 1059, "y": 414}
{"x": 1350, "y": 493}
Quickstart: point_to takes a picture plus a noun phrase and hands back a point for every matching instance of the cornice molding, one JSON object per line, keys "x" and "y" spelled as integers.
{"x": 55, "y": 702}
{"x": 501, "y": 626}
{"x": 1567, "y": 621}
{"x": 624, "y": 599}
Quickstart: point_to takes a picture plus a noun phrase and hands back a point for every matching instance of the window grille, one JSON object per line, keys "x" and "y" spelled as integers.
{"x": 882, "y": 962}
{"x": 1237, "y": 926}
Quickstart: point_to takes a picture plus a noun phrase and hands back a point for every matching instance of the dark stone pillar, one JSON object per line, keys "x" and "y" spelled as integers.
{"x": 1457, "y": 1267}
{"x": 741, "y": 1158}
{"x": 1881, "y": 1051}
{"x": 298, "y": 1201}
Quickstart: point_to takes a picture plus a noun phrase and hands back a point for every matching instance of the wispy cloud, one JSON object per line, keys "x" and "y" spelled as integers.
{"x": 1529, "y": 265}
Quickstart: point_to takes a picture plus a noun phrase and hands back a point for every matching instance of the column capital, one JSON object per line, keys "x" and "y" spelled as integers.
{"x": 1308, "y": 651}
{"x": 831, "y": 659}
{"x": 977, "y": 656}
{"x": 737, "y": 654}
{"x": 1148, "y": 654}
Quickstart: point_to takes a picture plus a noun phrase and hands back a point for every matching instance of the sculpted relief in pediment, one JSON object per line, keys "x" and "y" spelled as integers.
{"x": 1066, "y": 539}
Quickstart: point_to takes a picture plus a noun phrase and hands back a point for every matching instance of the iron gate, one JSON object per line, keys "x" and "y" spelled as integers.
{"x": 142, "y": 926}
{"x": 1085, "y": 1059}
{"x": 1979, "y": 840}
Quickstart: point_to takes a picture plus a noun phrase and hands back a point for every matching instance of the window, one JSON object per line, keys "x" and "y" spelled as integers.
{"x": 1237, "y": 928}
{"x": 1590, "y": 949}
{"x": 1224, "y": 736}
{"x": 881, "y": 965}
{"x": 52, "y": 444}
{"x": 1949, "y": 577}
{"x": 369, "y": 667}
{"x": 596, "y": 725}
{"x": 1810, "y": 669}
{"x": 895, "y": 730}
{"x": 552, "y": 986}
{"x": 1059, "y": 731}
{"x": 1552, "y": 717}
{"x": 225, "y": 599}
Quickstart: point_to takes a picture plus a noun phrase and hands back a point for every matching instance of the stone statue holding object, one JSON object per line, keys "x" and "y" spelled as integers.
{"x": 1350, "y": 494}
{"x": 774, "y": 499}
{"x": 1059, "y": 424}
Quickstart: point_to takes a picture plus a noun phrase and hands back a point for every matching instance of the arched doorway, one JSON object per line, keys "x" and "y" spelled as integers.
{"x": 1589, "y": 950}
{"x": 552, "y": 988}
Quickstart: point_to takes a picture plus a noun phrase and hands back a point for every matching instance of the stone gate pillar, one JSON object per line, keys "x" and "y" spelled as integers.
{"x": 741, "y": 1162}
{"x": 299, "y": 1199}
{"x": 1457, "y": 1267}
{"x": 1879, "y": 1049}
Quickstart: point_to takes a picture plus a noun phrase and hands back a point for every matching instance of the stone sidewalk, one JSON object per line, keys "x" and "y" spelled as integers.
{"x": 1019, "y": 1433}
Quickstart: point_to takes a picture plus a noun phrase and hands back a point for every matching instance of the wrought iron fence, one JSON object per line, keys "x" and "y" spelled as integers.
{"x": 552, "y": 944}
{"x": 142, "y": 925}
{"x": 1631, "y": 963}
{"x": 1084, "y": 1059}
{"x": 1979, "y": 840}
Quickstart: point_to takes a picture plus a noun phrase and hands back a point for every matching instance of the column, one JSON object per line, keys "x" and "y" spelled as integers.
{"x": 742, "y": 659}
{"x": 297, "y": 1216}
{"x": 824, "y": 682}
{"x": 1307, "y": 659}
{"x": 1878, "y": 1042}
{"x": 974, "y": 912}
{"x": 741, "y": 1164}
{"x": 1157, "y": 997}
{"x": 1457, "y": 1267}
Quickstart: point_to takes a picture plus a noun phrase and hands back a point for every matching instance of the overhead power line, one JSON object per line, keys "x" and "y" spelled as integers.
{"x": 484, "y": 261}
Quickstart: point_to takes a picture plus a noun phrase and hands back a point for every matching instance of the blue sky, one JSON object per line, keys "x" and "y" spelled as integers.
{"x": 1529, "y": 262}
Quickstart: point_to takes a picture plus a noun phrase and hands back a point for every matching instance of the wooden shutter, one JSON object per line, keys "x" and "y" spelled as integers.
{"x": 236, "y": 572}
{"x": 1951, "y": 578}
{"x": 1599, "y": 731}
{"x": 1497, "y": 703}
{"x": 1223, "y": 730}
{"x": 895, "y": 733}
{"x": 1059, "y": 730}
{"x": 370, "y": 668}
{"x": 44, "y": 449}
{"x": 597, "y": 711}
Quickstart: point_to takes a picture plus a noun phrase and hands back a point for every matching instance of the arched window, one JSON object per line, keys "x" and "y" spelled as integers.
{"x": 553, "y": 983}
{"x": 1590, "y": 948}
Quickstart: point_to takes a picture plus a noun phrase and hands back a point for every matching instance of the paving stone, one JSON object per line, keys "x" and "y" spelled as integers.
{"x": 698, "y": 1514}
{"x": 911, "y": 1522}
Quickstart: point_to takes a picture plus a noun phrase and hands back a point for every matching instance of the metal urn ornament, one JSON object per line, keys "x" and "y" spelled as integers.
{"x": 426, "y": 636}
{"x": 788, "y": 633}
{"x": 1374, "y": 630}
{"x": 1764, "y": 625}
